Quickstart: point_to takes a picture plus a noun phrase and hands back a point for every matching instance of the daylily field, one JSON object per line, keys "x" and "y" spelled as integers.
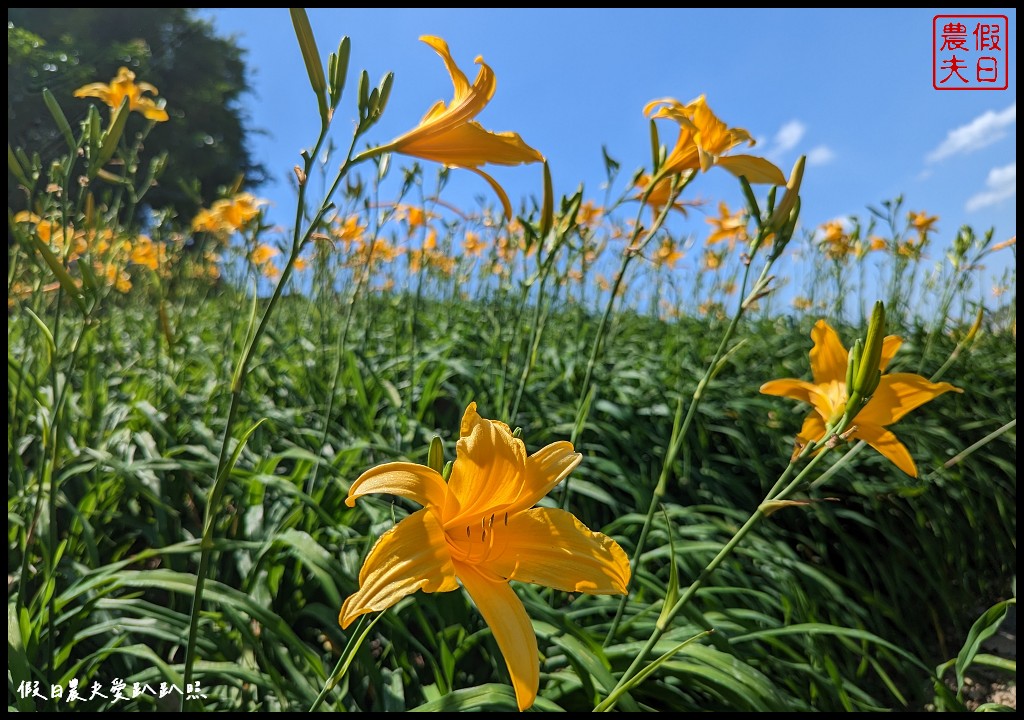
{"x": 411, "y": 455}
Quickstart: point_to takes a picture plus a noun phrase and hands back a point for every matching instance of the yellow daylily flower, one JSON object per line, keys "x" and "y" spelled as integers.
{"x": 228, "y": 215}
{"x": 448, "y": 135}
{"x": 145, "y": 252}
{"x": 472, "y": 245}
{"x": 704, "y": 139}
{"x": 728, "y": 226}
{"x": 480, "y": 529}
{"x": 896, "y": 395}
{"x": 123, "y": 86}
{"x": 263, "y": 254}
{"x": 667, "y": 254}
{"x": 348, "y": 231}
{"x": 922, "y": 221}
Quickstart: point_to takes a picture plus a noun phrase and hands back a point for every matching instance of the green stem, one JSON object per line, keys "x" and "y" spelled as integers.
{"x": 362, "y": 279}
{"x": 355, "y": 639}
{"x": 237, "y": 386}
{"x": 632, "y": 250}
{"x": 665, "y": 621}
{"x": 680, "y": 429}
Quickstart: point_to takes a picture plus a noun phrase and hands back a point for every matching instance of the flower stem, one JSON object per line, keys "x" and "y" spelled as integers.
{"x": 237, "y": 386}
{"x": 680, "y": 428}
{"x": 634, "y": 248}
{"x": 665, "y": 621}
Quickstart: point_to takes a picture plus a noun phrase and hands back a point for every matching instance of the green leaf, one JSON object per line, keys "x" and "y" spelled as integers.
{"x": 984, "y": 627}
{"x": 57, "y": 268}
{"x": 483, "y": 697}
{"x": 16, "y": 169}
{"x": 110, "y": 139}
{"x": 58, "y": 115}
{"x": 17, "y": 661}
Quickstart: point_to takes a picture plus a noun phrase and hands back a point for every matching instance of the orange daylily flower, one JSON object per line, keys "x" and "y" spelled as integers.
{"x": 480, "y": 529}
{"x": 667, "y": 254}
{"x": 146, "y": 252}
{"x": 123, "y": 86}
{"x": 472, "y": 245}
{"x": 728, "y": 226}
{"x": 896, "y": 395}
{"x": 704, "y": 139}
{"x": 922, "y": 221}
{"x": 447, "y": 134}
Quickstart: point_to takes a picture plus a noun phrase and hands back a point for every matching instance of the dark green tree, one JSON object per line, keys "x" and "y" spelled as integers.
{"x": 201, "y": 76}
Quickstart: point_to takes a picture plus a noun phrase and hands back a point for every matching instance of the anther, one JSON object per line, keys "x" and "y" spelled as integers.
{"x": 506, "y": 518}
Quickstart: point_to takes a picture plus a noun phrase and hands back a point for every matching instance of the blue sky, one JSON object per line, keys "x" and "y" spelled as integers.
{"x": 852, "y": 89}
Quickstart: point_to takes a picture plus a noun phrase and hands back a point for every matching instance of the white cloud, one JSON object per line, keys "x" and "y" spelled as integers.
{"x": 820, "y": 155}
{"x": 1000, "y": 184}
{"x": 983, "y": 130}
{"x": 788, "y": 136}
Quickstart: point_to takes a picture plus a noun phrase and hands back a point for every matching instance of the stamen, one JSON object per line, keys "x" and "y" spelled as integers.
{"x": 491, "y": 521}
{"x": 483, "y": 535}
{"x": 467, "y": 531}
{"x": 506, "y": 518}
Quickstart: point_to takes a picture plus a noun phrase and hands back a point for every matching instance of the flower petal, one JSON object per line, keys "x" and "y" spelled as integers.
{"x": 544, "y": 470}
{"x": 489, "y": 471}
{"x": 505, "y": 615}
{"x": 890, "y": 345}
{"x": 469, "y": 100}
{"x": 418, "y": 483}
{"x": 813, "y": 429}
{"x": 888, "y": 445}
{"x": 897, "y": 394}
{"x": 411, "y": 556}
{"x": 754, "y": 169}
{"x": 459, "y": 80}
{"x": 151, "y": 111}
{"x": 470, "y": 145}
{"x": 828, "y": 356}
{"x": 96, "y": 90}
{"x": 553, "y": 548}
{"x": 506, "y": 206}
{"x": 791, "y": 388}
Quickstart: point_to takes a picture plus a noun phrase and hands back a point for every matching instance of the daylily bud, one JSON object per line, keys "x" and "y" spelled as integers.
{"x": 310, "y": 56}
{"x": 385, "y": 92}
{"x": 973, "y": 332}
{"x": 854, "y": 361}
{"x": 547, "y": 211}
{"x": 338, "y": 69}
{"x": 771, "y": 199}
{"x": 748, "y": 193}
{"x": 90, "y": 209}
{"x": 364, "y": 95}
{"x": 780, "y": 216}
{"x": 868, "y": 375}
{"x": 657, "y": 156}
{"x": 435, "y": 455}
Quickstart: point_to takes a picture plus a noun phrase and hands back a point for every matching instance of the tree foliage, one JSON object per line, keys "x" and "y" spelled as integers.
{"x": 201, "y": 76}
